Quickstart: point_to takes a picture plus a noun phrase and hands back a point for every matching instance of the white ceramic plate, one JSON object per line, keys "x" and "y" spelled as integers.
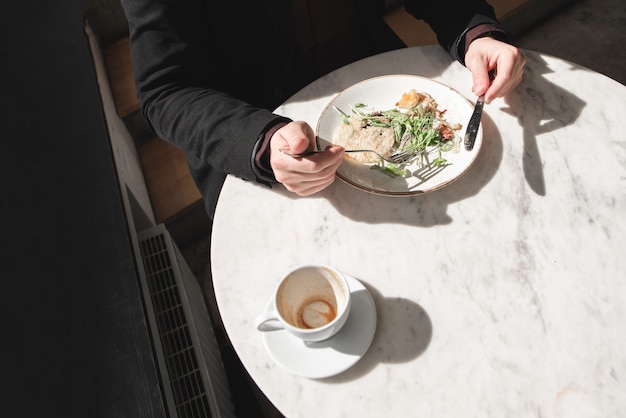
{"x": 382, "y": 93}
{"x": 335, "y": 355}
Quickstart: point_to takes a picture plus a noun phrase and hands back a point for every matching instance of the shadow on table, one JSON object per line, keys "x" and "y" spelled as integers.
{"x": 540, "y": 107}
{"x": 423, "y": 210}
{"x": 403, "y": 332}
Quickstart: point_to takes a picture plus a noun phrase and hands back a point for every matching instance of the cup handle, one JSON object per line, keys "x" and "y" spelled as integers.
{"x": 268, "y": 321}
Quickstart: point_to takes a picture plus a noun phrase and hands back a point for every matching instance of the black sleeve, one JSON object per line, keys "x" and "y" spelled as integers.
{"x": 175, "y": 79}
{"x": 451, "y": 20}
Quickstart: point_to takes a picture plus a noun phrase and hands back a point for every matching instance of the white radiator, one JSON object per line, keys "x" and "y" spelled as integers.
{"x": 194, "y": 378}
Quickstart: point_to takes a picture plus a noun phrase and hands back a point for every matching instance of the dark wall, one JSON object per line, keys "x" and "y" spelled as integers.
{"x": 74, "y": 337}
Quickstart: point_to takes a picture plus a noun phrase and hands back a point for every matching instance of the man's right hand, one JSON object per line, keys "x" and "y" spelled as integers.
{"x": 307, "y": 175}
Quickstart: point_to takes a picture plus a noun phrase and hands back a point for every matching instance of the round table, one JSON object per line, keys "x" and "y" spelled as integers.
{"x": 502, "y": 294}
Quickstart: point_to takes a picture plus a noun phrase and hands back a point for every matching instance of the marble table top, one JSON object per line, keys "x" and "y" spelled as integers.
{"x": 500, "y": 295}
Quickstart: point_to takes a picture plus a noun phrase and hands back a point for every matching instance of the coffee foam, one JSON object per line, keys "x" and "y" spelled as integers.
{"x": 316, "y": 312}
{"x": 311, "y": 299}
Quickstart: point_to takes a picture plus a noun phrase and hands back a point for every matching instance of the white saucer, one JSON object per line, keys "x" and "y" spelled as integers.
{"x": 335, "y": 355}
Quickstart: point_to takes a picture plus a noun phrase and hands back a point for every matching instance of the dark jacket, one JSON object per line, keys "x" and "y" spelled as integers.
{"x": 208, "y": 73}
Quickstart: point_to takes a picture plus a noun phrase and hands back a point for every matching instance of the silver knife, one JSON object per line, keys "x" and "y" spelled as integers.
{"x": 474, "y": 123}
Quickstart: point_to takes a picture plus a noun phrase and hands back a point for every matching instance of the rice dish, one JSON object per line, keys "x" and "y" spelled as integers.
{"x": 357, "y": 135}
{"x": 416, "y": 125}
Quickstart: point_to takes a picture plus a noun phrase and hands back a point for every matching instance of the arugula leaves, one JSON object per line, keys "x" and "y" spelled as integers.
{"x": 415, "y": 129}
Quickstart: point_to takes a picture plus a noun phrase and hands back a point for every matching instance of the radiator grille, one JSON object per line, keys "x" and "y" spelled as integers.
{"x": 195, "y": 371}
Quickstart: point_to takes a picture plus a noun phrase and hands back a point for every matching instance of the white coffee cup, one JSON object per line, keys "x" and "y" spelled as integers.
{"x": 311, "y": 302}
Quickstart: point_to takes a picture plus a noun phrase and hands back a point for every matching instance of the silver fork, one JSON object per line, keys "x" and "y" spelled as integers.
{"x": 398, "y": 157}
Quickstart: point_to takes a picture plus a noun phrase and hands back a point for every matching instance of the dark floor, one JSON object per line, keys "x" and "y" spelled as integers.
{"x": 591, "y": 33}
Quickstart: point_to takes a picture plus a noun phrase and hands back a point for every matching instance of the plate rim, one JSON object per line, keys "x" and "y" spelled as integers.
{"x": 403, "y": 193}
